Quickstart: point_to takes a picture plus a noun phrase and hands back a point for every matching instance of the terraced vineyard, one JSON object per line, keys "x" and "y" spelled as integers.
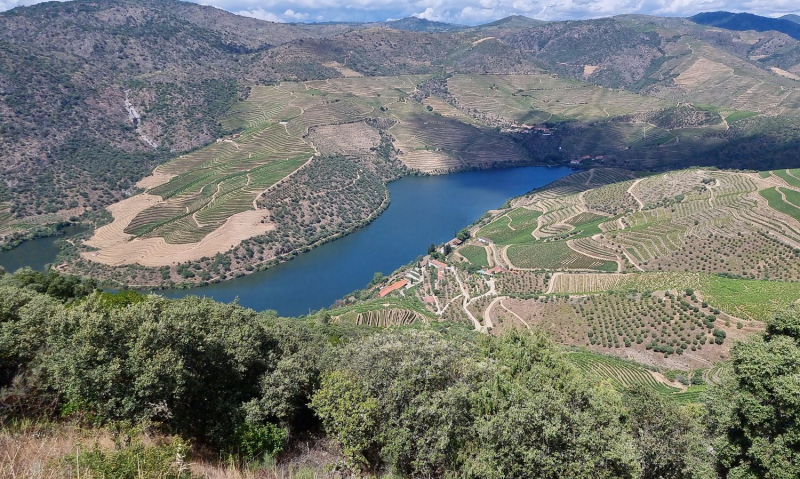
{"x": 206, "y": 202}
{"x": 514, "y": 227}
{"x": 476, "y": 255}
{"x": 626, "y": 374}
{"x": 544, "y": 98}
{"x": 680, "y": 266}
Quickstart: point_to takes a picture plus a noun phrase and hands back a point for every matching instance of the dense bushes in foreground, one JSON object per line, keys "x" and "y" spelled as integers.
{"x": 416, "y": 402}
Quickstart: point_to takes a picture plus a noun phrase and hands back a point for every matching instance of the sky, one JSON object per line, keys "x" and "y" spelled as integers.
{"x": 472, "y": 12}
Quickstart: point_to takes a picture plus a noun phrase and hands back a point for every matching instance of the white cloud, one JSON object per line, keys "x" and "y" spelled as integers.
{"x": 260, "y": 14}
{"x": 474, "y": 11}
{"x": 430, "y": 14}
{"x": 296, "y": 16}
{"x": 9, "y": 4}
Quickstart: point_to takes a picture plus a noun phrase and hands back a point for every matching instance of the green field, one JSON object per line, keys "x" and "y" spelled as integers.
{"x": 739, "y": 115}
{"x": 514, "y": 227}
{"x": 751, "y": 299}
{"x": 777, "y": 203}
{"x": 476, "y": 255}
{"x": 792, "y": 196}
{"x": 554, "y": 255}
{"x": 791, "y": 179}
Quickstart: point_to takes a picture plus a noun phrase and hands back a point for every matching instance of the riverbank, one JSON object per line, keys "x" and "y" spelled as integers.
{"x": 422, "y": 210}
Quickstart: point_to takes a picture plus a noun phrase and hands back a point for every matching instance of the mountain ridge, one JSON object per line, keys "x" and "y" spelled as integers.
{"x": 747, "y": 21}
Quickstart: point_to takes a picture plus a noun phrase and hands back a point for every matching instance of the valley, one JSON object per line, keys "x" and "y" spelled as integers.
{"x": 227, "y": 199}
{"x": 245, "y": 249}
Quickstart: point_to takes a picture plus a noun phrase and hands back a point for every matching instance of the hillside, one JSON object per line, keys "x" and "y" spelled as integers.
{"x": 119, "y": 384}
{"x": 256, "y": 198}
{"x": 664, "y": 269}
{"x": 111, "y": 90}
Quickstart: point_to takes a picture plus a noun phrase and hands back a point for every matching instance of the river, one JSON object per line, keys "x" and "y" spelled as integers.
{"x": 36, "y": 253}
{"x": 423, "y": 210}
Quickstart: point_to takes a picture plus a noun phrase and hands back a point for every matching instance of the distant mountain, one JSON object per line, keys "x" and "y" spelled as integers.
{"x": 748, "y": 21}
{"x": 514, "y": 21}
{"x": 414, "y": 24}
{"x": 791, "y": 18}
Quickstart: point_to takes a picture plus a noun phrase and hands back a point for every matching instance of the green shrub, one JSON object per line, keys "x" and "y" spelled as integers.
{"x": 136, "y": 461}
{"x": 256, "y": 440}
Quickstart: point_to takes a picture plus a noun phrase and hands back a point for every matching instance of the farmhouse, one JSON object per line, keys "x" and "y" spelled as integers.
{"x": 392, "y": 287}
{"x": 437, "y": 264}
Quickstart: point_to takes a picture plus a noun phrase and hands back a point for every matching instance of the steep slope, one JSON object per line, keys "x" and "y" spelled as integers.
{"x": 94, "y": 94}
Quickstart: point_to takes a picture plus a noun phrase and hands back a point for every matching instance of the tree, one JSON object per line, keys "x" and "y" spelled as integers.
{"x": 377, "y": 278}
{"x": 540, "y": 417}
{"x": 350, "y": 414}
{"x": 669, "y": 439}
{"x": 754, "y": 414}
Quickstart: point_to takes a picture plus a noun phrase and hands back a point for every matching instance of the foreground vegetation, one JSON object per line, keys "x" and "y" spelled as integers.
{"x": 418, "y": 401}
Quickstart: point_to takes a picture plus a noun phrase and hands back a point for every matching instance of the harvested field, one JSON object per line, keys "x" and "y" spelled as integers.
{"x": 785, "y": 74}
{"x": 430, "y": 161}
{"x": 355, "y": 139}
{"x": 346, "y": 72}
{"x": 702, "y": 71}
{"x": 156, "y": 252}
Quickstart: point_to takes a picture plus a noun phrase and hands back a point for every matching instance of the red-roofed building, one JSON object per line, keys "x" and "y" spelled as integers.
{"x": 437, "y": 264}
{"x": 497, "y": 269}
{"x": 392, "y": 287}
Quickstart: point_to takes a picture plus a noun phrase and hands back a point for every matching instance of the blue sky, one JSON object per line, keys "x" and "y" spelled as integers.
{"x": 473, "y": 12}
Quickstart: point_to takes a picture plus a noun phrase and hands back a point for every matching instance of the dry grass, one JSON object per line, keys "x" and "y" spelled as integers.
{"x": 37, "y": 451}
{"x": 30, "y": 450}
{"x": 702, "y": 71}
{"x": 156, "y": 252}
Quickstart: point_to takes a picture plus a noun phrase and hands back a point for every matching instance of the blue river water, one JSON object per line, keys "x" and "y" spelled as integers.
{"x": 423, "y": 210}
{"x": 37, "y": 253}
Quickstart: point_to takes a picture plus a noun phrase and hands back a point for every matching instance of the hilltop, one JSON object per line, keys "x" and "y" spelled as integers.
{"x": 414, "y": 24}
{"x": 791, "y": 18}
